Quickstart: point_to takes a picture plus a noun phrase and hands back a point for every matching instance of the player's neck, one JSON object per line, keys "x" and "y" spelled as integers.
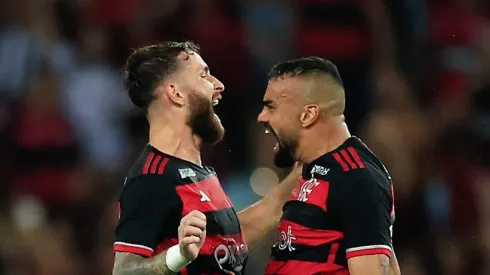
{"x": 177, "y": 140}
{"x": 322, "y": 140}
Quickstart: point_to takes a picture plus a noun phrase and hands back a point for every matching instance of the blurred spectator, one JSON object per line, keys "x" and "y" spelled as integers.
{"x": 44, "y": 149}
{"x": 398, "y": 132}
{"x": 94, "y": 102}
{"x": 416, "y": 77}
{"x": 266, "y": 22}
{"x": 357, "y": 36}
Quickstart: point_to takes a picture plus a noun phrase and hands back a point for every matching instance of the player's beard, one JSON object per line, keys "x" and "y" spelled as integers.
{"x": 202, "y": 120}
{"x": 283, "y": 158}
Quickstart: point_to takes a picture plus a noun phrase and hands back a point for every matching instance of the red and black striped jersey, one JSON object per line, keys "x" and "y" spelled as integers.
{"x": 342, "y": 208}
{"x": 159, "y": 190}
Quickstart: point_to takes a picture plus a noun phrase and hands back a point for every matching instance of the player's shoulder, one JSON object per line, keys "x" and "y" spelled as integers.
{"x": 150, "y": 165}
{"x": 154, "y": 166}
{"x": 350, "y": 164}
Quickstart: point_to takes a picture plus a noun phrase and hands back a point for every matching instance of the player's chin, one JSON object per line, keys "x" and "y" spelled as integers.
{"x": 219, "y": 137}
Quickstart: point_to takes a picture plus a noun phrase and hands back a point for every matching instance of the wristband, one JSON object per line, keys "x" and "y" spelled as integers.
{"x": 175, "y": 260}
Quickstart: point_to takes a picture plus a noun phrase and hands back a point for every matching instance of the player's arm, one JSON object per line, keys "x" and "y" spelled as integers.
{"x": 144, "y": 208}
{"x": 394, "y": 267}
{"x": 132, "y": 264}
{"x": 378, "y": 264}
{"x": 192, "y": 233}
{"x": 264, "y": 215}
{"x": 365, "y": 213}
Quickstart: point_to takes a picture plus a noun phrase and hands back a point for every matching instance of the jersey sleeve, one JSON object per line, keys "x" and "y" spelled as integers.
{"x": 144, "y": 208}
{"x": 365, "y": 216}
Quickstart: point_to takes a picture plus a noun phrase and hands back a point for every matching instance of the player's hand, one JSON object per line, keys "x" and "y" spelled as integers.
{"x": 297, "y": 168}
{"x": 192, "y": 233}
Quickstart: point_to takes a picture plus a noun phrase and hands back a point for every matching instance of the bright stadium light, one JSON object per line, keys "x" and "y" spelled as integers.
{"x": 262, "y": 180}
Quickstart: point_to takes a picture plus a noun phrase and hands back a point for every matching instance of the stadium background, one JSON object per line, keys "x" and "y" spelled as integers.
{"x": 417, "y": 75}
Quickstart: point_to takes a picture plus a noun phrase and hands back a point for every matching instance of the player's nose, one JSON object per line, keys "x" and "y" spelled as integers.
{"x": 262, "y": 117}
{"x": 218, "y": 86}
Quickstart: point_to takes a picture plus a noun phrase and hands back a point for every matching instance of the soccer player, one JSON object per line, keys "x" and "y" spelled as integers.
{"x": 173, "y": 214}
{"x": 339, "y": 218}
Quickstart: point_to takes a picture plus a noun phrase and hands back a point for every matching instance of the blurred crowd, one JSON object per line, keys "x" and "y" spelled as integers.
{"x": 417, "y": 78}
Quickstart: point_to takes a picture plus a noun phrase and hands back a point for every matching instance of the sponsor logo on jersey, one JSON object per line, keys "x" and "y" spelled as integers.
{"x": 187, "y": 173}
{"x": 204, "y": 197}
{"x": 320, "y": 170}
{"x": 285, "y": 240}
{"x": 230, "y": 255}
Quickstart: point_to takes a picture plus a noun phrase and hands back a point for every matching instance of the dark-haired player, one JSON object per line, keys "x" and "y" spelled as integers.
{"x": 174, "y": 215}
{"x": 339, "y": 218}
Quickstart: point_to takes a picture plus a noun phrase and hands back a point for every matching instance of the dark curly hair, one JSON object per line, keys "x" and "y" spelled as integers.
{"x": 148, "y": 66}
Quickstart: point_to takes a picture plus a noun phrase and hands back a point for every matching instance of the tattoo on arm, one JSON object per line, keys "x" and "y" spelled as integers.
{"x": 131, "y": 264}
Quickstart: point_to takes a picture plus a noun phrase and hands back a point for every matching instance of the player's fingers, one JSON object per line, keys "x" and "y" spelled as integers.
{"x": 194, "y": 221}
{"x": 191, "y": 216}
{"x": 192, "y": 231}
{"x": 197, "y": 223}
{"x": 198, "y": 214}
{"x": 190, "y": 240}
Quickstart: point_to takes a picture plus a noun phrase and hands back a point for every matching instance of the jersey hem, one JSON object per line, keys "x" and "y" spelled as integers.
{"x": 372, "y": 250}
{"x": 133, "y": 249}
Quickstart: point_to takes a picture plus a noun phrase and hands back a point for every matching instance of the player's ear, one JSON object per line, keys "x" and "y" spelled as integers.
{"x": 173, "y": 93}
{"x": 310, "y": 115}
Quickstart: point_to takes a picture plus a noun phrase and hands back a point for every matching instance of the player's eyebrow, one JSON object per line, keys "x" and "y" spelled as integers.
{"x": 268, "y": 103}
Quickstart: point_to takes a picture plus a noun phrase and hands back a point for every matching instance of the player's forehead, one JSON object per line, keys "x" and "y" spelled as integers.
{"x": 282, "y": 87}
{"x": 192, "y": 61}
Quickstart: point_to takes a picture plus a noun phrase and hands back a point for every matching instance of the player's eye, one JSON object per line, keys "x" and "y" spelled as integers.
{"x": 205, "y": 73}
{"x": 268, "y": 105}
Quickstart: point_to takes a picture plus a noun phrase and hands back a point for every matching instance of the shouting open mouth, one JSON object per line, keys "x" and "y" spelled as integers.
{"x": 268, "y": 130}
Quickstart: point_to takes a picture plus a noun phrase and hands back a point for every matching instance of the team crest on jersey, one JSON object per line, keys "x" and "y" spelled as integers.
{"x": 320, "y": 170}
{"x": 187, "y": 173}
{"x": 306, "y": 189}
